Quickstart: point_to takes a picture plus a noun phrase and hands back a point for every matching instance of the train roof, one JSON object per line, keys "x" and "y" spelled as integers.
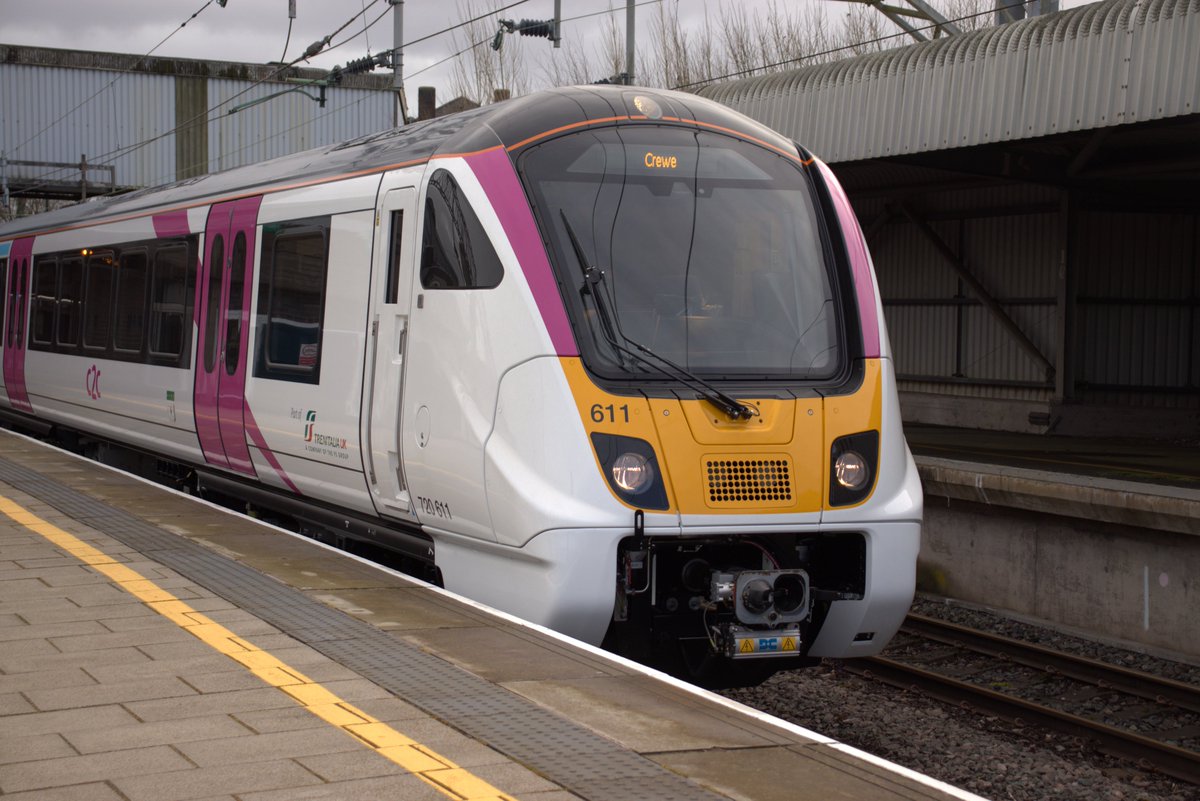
{"x": 514, "y": 124}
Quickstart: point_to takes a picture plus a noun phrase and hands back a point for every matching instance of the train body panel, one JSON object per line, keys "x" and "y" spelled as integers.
{"x": 309, "y": 345}
{"x": 550, "y": 580}
{"x": 541, "y": 470}
{"x": 149, "y": 408}
{"x": 616, "y": 355}
{"x": 391, "y": 298}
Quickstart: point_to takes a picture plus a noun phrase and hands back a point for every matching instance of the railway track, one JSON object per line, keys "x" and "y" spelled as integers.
{"x": 1128, "y": 714}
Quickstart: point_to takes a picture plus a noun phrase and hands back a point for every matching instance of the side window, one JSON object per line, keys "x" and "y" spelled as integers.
{"x": 131, "y": 302}
{"x": 70, "y": 302}
{"x": 4, "y": 310}
{"x": 291, "y": 300}
{"x": 97, "y": 303}
{"x": 169, "y": 297}
{"x": 392, "y": 290}
{"x": 45, "y": 301}
{"x": 455, "y": 251}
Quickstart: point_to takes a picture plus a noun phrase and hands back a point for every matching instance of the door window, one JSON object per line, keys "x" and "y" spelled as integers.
{"x": 233, "y": 313}
{"x": 216, "y": 262}
{"x": 291, "y": 300}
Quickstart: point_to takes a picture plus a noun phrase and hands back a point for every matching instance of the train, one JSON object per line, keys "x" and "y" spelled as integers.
{"x": 610, "y": 359}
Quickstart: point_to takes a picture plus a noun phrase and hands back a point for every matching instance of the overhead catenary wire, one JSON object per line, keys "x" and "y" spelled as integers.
{"x": 308, "y": 53}
{"x": 832, "y": 50}
{"x": 317, "y": 47}
{"x": 109, "y": 85}
{"x": 473, "y": 45}
{"x": 324, "y": 45}
{"x": 366, "y": 35}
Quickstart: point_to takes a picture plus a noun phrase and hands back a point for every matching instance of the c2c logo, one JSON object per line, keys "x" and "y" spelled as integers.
{"x": 92, "y": 383}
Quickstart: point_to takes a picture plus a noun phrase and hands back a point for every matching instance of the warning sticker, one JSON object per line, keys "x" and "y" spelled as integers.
{"x": 766, "y": 644}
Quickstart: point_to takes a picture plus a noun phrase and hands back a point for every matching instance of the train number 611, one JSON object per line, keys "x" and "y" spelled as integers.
{"x": 609, "y": 413}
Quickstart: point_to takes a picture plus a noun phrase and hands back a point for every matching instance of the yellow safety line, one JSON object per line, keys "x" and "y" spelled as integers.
{"x": 429, "y": 766}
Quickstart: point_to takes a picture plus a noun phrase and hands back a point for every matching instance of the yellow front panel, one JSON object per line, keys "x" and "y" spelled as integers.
{"x": 775, "y": 463}
{"x": 729, "y": 467}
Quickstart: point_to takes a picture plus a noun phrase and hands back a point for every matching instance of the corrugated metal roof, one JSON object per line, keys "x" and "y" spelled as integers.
{"x": 1109, "y": 63}
{"x": 121, "y": 110}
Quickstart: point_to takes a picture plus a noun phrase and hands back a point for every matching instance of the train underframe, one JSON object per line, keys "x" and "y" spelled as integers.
{"x": 731, "y": 610}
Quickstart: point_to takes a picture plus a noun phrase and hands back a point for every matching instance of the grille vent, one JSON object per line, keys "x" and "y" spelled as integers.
{"x": 765, "y": 480}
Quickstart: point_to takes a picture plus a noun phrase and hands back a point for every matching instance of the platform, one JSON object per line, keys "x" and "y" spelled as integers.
{"x": 157, "y": 647}
{"x": 1097, "y": 536}
{"x": 1158, "y": 463}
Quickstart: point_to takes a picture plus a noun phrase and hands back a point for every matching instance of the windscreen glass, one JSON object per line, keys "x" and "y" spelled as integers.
{"x": 710, "y": 248}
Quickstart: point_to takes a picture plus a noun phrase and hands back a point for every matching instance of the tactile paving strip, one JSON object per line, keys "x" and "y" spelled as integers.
{"x": 581, "y": 761}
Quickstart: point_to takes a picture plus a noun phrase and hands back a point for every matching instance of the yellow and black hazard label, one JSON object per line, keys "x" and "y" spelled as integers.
{"x": 763, "y": 644}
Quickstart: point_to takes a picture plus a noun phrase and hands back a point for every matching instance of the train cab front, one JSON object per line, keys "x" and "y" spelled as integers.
{"x": 732, "y": 377}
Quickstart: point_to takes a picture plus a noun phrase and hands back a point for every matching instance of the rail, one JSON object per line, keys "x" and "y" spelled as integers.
{"x": 1147, "y": 751}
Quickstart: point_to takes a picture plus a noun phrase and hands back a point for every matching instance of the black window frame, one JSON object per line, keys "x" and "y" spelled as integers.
{"x": 474, "y": 267}
{"x": 267, "y": 322}
{"x": 155, "y": 311}
{"x": 66, "y": 260}
{"x": 44, "y": 305}
{"x": 215, "y": 254}
{"x": 78, "y": 259}
{"x": 103, "y": 259}
{"x": 4, "y": 304}
{"x": 233, "y": 305}
{"x": 14, "y": 324}
{"x": 120, "y": 325}
{"x": 391, "y": 292}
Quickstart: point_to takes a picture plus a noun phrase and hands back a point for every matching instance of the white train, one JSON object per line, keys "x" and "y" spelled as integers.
{"x": 610, "y": 359}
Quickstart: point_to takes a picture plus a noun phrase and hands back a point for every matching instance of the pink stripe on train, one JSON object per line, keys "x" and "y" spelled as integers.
{"x": 860, "y": 262}
{"x": 495, "y": 172}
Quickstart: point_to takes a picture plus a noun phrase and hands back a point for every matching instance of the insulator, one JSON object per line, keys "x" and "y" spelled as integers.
{"x": 536, "y": 27}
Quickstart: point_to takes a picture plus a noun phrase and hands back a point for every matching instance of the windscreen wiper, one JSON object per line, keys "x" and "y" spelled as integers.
{"x": 595, "y": 285}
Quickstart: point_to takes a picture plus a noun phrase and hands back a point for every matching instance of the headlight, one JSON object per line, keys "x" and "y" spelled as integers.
{"x": 853, "y": 461}
{"x": 631, "y": 469}
{"x": 632, "y": 472}
{"x": 851, "y": 470}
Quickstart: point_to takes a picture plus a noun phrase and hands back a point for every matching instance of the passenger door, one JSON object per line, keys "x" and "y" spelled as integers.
{"x": 395, "y": 252}
{"x": 224, "y": 289}
{"x": 16, "y": 324}
{"x": 4, "y": 247}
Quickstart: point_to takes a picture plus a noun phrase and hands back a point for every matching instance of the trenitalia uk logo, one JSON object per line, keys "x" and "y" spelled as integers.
{"x": 322, "y": 444}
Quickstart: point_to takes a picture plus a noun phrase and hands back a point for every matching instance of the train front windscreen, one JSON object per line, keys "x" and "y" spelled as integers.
{"x": 703, "y": 249}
